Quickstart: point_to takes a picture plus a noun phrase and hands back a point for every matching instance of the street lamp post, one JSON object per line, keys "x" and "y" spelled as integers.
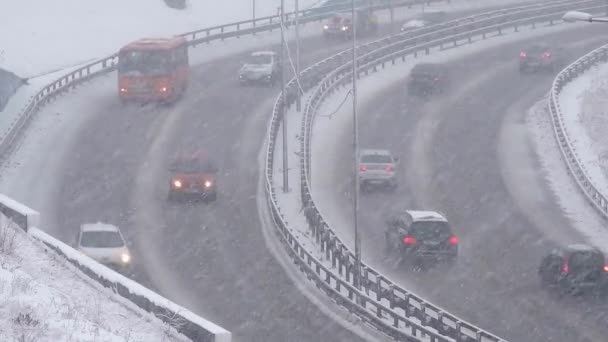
{"x": 283, "y": 103}
{"x": 357, "y": 272}
{"x": 299, "y": 95}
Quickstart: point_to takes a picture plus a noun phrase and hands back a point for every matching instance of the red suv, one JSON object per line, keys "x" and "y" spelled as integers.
{"x": 193, "y": 177}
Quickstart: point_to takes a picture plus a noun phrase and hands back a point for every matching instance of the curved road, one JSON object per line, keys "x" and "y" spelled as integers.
{"x": 468, "y": 154}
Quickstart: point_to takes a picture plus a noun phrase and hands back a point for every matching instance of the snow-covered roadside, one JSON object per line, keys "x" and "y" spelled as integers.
{"x": 572, "y": 202}
{"x": 46, "y": 299}
{"x": 583, "y": 102}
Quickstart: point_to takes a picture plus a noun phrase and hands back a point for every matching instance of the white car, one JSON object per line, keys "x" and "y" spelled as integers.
{"x": 261, "y": 67}
{"x": 377, "y": 168}
{"x": 424, "y": 19}
{"x": 104, "y": 243}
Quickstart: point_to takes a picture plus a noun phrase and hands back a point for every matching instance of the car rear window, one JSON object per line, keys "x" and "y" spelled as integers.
{"x": 101, "y": 239}
{"x": 585, "y": 260}
{"x": 194, "y": 166}
{"x": 376, "y": 159}
{"x": 430, "y": 230}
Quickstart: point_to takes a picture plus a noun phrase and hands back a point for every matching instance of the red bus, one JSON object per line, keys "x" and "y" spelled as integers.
{"x": 153, "y": 69}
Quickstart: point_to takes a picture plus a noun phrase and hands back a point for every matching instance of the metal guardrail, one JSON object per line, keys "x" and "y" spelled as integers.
{"x": 207, "y": 35}
{"x": 382, "y": 303}
{"x": 576, "y": 168}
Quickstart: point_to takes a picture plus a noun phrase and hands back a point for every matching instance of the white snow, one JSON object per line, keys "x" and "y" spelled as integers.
{"x": 583, "y": 103}
{"x": 46, "y": 299}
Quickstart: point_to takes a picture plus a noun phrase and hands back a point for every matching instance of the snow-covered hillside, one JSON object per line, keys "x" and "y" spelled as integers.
{"x": 43, "y": 298}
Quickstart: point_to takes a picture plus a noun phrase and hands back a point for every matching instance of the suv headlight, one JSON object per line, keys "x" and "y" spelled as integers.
{"x": 125, "y": 258}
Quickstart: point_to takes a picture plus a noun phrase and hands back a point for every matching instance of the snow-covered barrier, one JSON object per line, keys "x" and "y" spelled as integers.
{"x": 380, "y": 302}
{"x": 575, "y": 167}
{"x": 184, "y": 321}
{"x": 18, "y": 213}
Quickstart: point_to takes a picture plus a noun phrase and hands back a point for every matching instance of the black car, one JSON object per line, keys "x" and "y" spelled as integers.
{"x": 428, "y": 78}
{"x": 421, "y": 236}
{"x": 574, "y": 269}
{"x": 541, "y": 57}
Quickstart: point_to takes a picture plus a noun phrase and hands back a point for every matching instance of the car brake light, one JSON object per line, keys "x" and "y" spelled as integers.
{"x": 605, "y": 268}
{"x": 389, "y": 168}
{"x": 565, "y": 268}
{"x": 523, "y": 55}
{"x": 546, "y": 55}
{"x": 408, "y": 240}
{"x": 362, "y": 168}
{"x": 453, "y": 240}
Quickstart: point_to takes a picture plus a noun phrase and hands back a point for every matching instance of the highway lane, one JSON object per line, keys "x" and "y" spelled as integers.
{"x": 467, "y": 154}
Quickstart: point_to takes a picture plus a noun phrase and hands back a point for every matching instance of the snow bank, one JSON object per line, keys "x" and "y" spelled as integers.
{"x": 45, "y": 300}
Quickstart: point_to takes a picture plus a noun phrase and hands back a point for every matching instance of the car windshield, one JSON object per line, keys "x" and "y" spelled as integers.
{"x": 430, "y": 230}
{"x": 538, "y": 48}
{"x": 259, "y": 59}
{"x": 145, "y": 62}
{"x": 193, "y": 166}
{"x": 101, "y": 239}
{"x": 376, "y": 159}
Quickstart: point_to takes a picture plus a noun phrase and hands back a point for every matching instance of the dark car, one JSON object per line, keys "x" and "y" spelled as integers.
{"x": 193, "y": 177}
{"x": 538, "y": 57}
{"x": 574, "y": 269}
{"x": 421, "y": 236}
{"x": 340, "y": 25}
{"x": 428, "y": 78}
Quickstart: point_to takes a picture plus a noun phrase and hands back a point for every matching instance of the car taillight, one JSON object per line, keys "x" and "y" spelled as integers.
{"x": 453, "y": 240}
{"x": 408, "y": 240}
{"x": 546, "y": 55}
{"x": 388, "y": 168}
{"x": 565, "y": 268}
{"x": 362, "y": 168}
{"x": 523, "y": 55}
{"x": 605, "y": 268}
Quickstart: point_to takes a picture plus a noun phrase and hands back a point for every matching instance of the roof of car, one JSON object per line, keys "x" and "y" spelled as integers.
{"x": 98, "y": 227}
{"x": 581, "y": 247}
{"x": 263, "y": 53}
{"x": 368, "y": 151}
{"x": 428, "y": 67}
{"x": 426, "y": 215}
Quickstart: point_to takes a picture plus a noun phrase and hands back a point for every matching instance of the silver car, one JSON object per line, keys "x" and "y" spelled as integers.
{"x": 377, "y": 168}
{"x": 104, "y": 243}
{"x": 261, "y": 67}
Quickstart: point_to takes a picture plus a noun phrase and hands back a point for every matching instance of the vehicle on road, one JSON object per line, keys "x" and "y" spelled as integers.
{"x": 260, "y": 67}
{"x": 541, "y": 56}
{"x": 340, "y": 24}
{"x": 104, "y": 243}
{"x": 153, "y": 70}
{"x": 428, "y": 78}
{"x": 421, "y": 236}
{"x": 193, "y": 177}
{"x": 574, "y": 269}
{"x": 377, "y": 168}
{"x": 424, "y": 19}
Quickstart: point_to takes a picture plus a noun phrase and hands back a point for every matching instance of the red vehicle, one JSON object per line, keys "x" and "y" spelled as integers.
{"x": 153, "y": 69}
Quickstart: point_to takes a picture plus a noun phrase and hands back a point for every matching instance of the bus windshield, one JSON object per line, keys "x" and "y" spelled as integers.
{"x": 148, "y": 62}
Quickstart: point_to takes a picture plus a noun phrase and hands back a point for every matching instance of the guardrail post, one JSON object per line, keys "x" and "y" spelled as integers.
{"x": 222, "y": 32}
{"x": 238, "y": 30}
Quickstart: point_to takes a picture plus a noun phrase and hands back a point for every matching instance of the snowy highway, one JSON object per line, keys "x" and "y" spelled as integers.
{"x": 473, "y": 160}
{"x": 468, "y": 154}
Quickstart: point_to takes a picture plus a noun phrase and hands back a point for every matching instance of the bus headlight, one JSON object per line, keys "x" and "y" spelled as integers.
{"x": 208, "y": 184}
{"x": 177, "y": 183}
{"x": 163, "y": 89}
{"x": 125, "y": 258}
{"x": 123, "y": 90}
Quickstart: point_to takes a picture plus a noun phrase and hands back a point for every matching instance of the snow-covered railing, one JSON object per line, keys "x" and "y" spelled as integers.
{"x": 575, "y": 167}
{"x": 206, "y": 35}
{"x": 382, "y": 303}
{"x": 183, "y": 320}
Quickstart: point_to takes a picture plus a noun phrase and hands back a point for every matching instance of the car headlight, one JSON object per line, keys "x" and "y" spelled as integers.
{"x": 344, "y": 28}
{"x": 325, "y": 27}
{"x": 177, "y": 183}
{"x": 164, "y": 89}
{"x": 125, "y": 258}
{"x": 208, "y": 184}
{"x": 123, "y": 90}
